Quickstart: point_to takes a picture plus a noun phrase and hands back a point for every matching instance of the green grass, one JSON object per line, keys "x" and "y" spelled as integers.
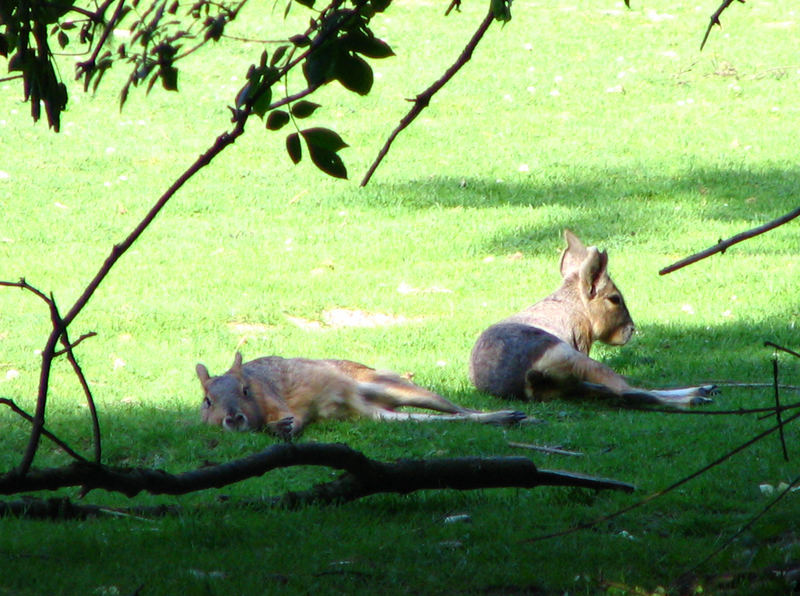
{"x": 649, "y": 149}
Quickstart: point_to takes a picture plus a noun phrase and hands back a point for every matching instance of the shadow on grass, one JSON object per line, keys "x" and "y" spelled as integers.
{"x": 601, "y": 202}
{"x": 725, "y": 190}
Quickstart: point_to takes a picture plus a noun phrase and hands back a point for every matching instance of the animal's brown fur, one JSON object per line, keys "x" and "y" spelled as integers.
{"x": 543, "y": 351}
{"x": 283, "y": 395}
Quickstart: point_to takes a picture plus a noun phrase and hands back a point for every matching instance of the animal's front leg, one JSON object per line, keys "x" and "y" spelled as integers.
{"x": 283, "y": 428}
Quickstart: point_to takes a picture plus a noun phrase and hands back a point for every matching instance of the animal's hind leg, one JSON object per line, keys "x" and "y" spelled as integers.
{"x": 502, "y": 417}
{"x": 389, "y": 391}
{"x": 565, "y": 372}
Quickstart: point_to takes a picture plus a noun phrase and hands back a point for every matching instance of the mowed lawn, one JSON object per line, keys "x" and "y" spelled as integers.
{"x": 605, "y": 120}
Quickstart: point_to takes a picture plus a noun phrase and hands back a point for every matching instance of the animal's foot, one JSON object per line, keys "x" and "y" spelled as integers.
{"x": 706, "y": 390}
{"x": 284, "y": 428}
{"x": 700, "y": 401}
{"x": 506, "y": 417}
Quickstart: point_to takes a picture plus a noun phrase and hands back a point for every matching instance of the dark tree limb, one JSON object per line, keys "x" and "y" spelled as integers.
{"x": 715, "y": 19}
{"x": 423, "y": 99}
{"x": 60, "y": 324}
{"x": 23, "y": 414}
{"x": 724, "y": 245}
{"x": 362, "y": 475}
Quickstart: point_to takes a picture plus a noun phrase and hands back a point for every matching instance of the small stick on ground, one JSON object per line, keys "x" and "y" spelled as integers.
{"x": 545, "y": 449}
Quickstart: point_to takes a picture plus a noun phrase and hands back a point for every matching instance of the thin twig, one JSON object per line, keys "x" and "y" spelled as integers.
{"x": 740, "y": 412}
{"x": 60, "y": 324}
{"x": 778, "y": 416}
{"x": 756, "y": 385}
{"x": 545, "y": 449}
{"x": 724, "y": 245}
{"x": 715, "y": 19}
{"x": 664, "y": 491}
{"x": 75, "y": 343}
{"x": 782, "y": 349}
{"x": 66, "y": 448}
{"x": 423, "y": 99}
{"x": 749, "y": 523}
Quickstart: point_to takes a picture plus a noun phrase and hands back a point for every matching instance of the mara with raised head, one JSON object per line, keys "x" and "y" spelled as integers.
{"x": 283, "y": 395}
{"x": 543, "y": 352}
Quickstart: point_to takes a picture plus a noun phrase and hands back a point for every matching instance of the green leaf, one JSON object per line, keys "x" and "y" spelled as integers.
{"x": 303, "y": 108}
{"x": 323, "y": 143}
{"x": 243, "y": 95}
{"x": 277, "y": 119}
{"x": 380, "y": 5}
{"x": 301, "y": 41}
{"x": 261, "y": 104}
{"x": 293, "y": 147}
{"x": 501, "y": 9}
{"x": 278, "y": 54}
{"x": 353, "y": 73}
{"x": 324, "y": 138}
{"x": 63, "y": 39}
{"x": 317, "y": 67}
{"x": 169, "y": 78}
{"x": 369, "y": 46}
{"x": 327, "y": 161}
{"x": 306, "y": 3}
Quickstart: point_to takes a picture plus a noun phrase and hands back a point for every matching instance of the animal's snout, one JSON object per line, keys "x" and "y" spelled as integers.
{"x": 621, "y": 335}
{"x": 627, "y": 333}
{"x": 236, "y": 421}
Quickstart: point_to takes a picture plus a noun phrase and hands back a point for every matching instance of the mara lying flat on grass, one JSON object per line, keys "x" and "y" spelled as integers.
{"x": 543, "y": 352}
{"x": 284, "y": 394}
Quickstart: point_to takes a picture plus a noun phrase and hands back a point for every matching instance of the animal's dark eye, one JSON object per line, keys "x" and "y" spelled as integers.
{"x": 206, "y": 403}
{"x": 615, "y": 299}
{"x": 245, "y": 391}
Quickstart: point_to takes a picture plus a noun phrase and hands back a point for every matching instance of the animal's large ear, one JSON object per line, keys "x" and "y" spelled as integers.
{"x": 202, "y": 374}
{"x": 593, "y": 271}
{"x": 573, "y": 256}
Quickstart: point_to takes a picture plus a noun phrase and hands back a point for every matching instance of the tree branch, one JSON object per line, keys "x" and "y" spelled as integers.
{"x": 423, "y": 99}
{"x": 723, "y": 245}
{"x": 61, "y": 324}
{"x": 19, "y": 411}
{"x": 363, "y": 476}
{"x": 715, "y": 19}
{"x": 671, "y": 487}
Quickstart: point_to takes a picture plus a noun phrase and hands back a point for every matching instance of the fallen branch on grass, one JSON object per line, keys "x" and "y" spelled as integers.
{"x": 544, "y": 449}
{"x": 362, "y": 476}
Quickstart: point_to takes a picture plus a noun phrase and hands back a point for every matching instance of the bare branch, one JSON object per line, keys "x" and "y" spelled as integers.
{"x": 781, "y": 348}
{"x": 723, "y": 245}
{"x": 60, "y": 324}
{"x": 423, "y": 99}
{"x": 715, "y": 19}
{"x": 545, "y": 449}
{"x": 725, "y": 544}
{"x": 66, "y": 448}
{"x": 75, "y": 343}
{"x": 670, "y": 488}
{"x": 363, "y": 476}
